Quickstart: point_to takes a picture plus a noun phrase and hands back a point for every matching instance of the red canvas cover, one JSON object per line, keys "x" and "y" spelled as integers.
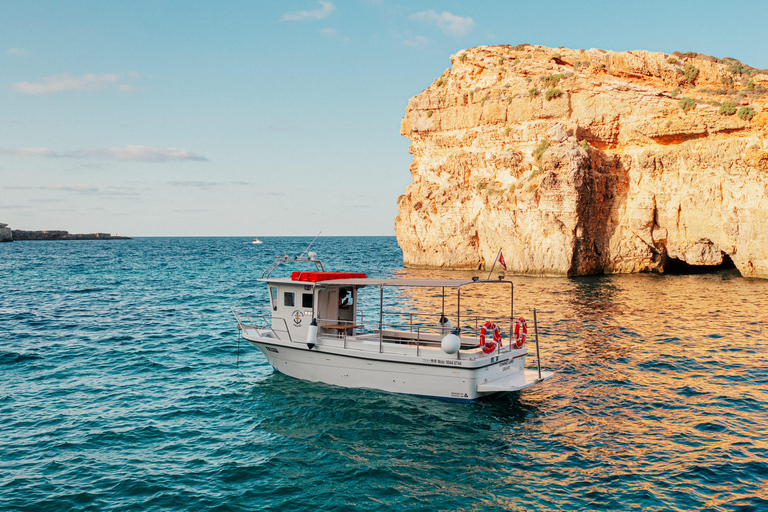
{"x": 313, "y": 277}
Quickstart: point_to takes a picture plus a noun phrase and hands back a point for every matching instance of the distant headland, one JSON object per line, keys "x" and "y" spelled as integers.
{"x": 9, "y": 235}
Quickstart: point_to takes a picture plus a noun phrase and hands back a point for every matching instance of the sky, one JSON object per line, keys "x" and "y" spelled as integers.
{"x": 254, "y": 118}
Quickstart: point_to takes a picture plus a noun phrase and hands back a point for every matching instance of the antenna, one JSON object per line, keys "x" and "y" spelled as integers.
{"x": 310, "y": 245}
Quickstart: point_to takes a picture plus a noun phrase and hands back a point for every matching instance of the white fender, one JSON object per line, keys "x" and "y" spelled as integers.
{"x": 450, "y": 344}
{"x": 445, "y": 324}
{"x": 312, "y": 334}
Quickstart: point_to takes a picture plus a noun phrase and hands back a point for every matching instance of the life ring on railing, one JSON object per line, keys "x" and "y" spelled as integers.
{"x": 490, "y": 346}
{"x": 521, "y": 331}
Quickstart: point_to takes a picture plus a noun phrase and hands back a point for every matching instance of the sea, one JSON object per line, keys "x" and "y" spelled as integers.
{"x": 124, "y": 387}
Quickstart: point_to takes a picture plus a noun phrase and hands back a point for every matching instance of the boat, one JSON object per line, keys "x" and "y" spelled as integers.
{"x": 317, "y": 326}
{"x": 256, "y": 241}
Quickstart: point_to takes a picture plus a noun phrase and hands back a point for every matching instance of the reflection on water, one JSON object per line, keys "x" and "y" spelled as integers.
{"x": 660, "y": 392}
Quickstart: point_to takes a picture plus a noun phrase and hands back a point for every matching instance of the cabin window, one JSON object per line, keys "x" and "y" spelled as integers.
{"x": 306, "y": 300}
{"x": 273, "y": 293}
{"x": 288, "y": 299}
{"x": 346, "y": 298}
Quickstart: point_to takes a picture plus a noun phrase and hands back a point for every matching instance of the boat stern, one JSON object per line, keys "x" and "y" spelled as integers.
{"x": 515, "y": 382}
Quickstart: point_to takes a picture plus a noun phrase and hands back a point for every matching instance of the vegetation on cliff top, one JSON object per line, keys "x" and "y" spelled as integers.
{"x": 690, "y": 72}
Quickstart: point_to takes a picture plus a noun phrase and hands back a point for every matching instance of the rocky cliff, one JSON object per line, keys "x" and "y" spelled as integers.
{"x": 5, "y": 233}
{"x": 579, "y": 162}
{"x": 8, "y": 235}
{"x": 19, "y": 234}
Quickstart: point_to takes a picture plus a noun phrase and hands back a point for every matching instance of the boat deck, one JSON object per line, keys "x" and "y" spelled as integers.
{"x": 393, "y": 342}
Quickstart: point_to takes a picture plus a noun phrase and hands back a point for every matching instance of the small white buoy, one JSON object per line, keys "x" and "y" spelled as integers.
{"x": 312, "y": 334}
{"x": 312, "y": 255}
{"x": 450, "y": 344}
{"x": 445, "y": 324}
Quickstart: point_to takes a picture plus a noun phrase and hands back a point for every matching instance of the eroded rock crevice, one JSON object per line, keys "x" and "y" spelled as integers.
{"x": 679, "y": 267}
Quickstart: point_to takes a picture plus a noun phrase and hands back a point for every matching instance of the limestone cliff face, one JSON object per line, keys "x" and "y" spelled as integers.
{"x": 644, "y": 163}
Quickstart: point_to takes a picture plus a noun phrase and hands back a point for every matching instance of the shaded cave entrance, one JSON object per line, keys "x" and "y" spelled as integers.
{"x": 676, "y": 266}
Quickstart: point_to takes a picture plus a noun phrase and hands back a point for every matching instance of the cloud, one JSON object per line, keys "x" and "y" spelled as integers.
{"x": 66, "y": 188}
{"x": 318, "y": 14}
{"x": 27, "y": 151}
{"x": 206, "y": 184}
{"x": 131, "y": 152}
{"x": 119, "y": 192}
{"x": 450, "y": 24}
{"x": 111, "y": 191}
{"x": 68, "y": 82}
{"x": 129, "y": 191}
{"x": 194, "y": 184}
{"x": 416, "y": 41}
{"x": 18, "y": 52}
{"x": 82, "y": 188}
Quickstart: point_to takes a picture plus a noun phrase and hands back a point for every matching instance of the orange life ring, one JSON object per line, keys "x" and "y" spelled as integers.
{"x": 521, "y": 331}
{"x": 490, "y": 346}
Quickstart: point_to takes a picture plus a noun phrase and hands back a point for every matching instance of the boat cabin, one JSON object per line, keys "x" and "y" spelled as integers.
{"x": 297, "y": 300}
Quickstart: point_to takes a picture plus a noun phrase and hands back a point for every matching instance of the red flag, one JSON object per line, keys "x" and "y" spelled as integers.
{"x": 501, "y": 261}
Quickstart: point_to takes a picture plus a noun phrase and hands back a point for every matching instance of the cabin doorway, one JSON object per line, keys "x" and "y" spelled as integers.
{"x": 337, "y": 304}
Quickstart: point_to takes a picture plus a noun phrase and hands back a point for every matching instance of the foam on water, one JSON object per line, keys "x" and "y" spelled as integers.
{"x": 120, "y": 391}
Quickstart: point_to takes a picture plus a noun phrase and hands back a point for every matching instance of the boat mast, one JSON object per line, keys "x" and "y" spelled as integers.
{"x": 381, "y": 316}
{"x": 310, "y": 245}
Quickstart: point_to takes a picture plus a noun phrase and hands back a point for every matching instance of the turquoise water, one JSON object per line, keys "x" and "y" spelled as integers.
{"x": 120, "y": 390}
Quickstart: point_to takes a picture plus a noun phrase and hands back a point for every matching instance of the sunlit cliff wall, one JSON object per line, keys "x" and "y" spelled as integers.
{"x": 644, "y": 163}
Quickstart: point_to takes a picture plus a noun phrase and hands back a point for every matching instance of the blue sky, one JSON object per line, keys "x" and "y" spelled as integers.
{"x": 182, "y": 118}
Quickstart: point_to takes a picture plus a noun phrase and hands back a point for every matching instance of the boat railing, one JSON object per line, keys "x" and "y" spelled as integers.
{"x": 419, "y": 335}
{"x": 432, "y": 336}
{"x": 333, "y": 327}
{"x": 259, "y": 318}
{"x": 471, "y": 326}
{"x": 393, "y": 332}
{"x": 298, "y": 259}
{"x": 421, "y": 330}
{"x": 536, "y": 333}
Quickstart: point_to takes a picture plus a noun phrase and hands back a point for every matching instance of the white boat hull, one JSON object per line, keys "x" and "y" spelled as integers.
{"x": 424, "y": 372}
{"x": 314, "y": 328}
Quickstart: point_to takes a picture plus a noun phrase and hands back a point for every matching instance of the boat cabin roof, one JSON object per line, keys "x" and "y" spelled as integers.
{"x": 433, "y": 283}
